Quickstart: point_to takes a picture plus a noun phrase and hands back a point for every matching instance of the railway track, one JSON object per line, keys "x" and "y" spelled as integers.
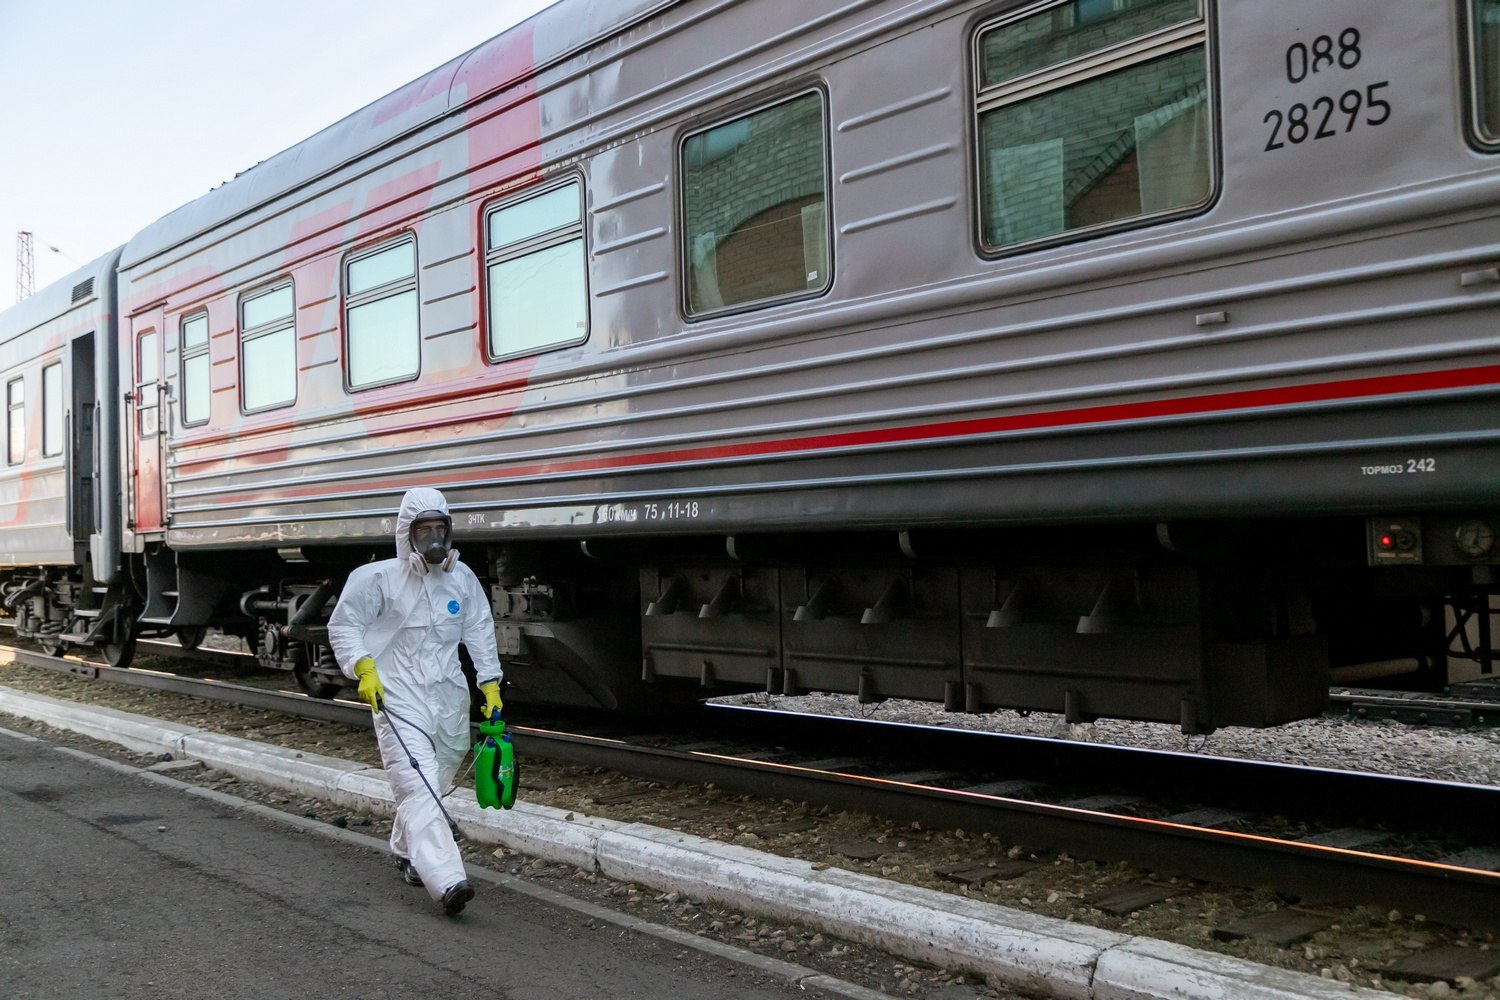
{"x": 1331, "y": 837}
{"x": 1472, "y": 704}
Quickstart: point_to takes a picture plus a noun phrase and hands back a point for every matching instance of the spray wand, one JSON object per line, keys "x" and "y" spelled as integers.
{"x": 412, "y": 760}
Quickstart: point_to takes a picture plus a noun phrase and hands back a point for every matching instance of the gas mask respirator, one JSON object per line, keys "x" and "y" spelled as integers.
{"x": 430, "y": 540}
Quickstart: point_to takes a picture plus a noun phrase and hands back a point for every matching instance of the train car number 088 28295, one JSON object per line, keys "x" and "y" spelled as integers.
{"x": 1301, "y": 122}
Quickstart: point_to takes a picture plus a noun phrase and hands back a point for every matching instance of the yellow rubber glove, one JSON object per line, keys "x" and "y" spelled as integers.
{"x": 492, "y": 702}
{"x": 371, "y": 691}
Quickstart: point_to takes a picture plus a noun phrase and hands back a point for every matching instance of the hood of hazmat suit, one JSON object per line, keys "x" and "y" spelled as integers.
{"x": 421, "y": 504}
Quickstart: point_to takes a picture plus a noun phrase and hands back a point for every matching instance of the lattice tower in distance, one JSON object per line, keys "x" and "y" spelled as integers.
{"x": 25, "y": 265}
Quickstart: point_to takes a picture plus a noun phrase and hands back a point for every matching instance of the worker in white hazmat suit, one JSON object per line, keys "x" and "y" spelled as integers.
{"x": 396, "y": 629}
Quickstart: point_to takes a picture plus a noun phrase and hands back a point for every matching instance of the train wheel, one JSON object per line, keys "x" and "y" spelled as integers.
{"x": 316, "y": 685}
{"x": 190, "y": 636}
{"x": 52, "y": 647}
{"x": 119, "y": 653}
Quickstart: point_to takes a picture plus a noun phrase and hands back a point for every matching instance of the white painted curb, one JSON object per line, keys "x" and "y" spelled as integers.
{"x": 1011, "y": 948}
{"x": 1146, "y": 969}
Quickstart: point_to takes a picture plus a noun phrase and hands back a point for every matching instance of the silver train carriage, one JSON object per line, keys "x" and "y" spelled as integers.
{"x": 1110, "y": 357}
{"x": 59, "y": 485}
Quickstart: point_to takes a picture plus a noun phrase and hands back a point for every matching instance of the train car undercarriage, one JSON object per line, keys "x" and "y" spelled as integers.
{"x": 1194, "y": 624}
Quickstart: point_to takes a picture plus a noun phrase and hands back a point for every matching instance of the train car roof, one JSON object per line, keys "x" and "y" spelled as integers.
{"x": 550, "y": 35}
{"x": 59, "y": 297}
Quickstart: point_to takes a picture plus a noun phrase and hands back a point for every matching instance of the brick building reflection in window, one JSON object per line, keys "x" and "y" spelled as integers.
{"x": 755, "y": 192}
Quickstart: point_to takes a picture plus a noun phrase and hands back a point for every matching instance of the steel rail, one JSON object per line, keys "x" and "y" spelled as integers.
{"x": 291, "y": 702}
{"x": 1204, "y": 778}
{"x": 1416, "y": 708}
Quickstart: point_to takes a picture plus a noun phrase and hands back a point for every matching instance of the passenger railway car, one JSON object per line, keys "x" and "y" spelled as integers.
{"x": 59, "y": 486}
{"x": 1109, "y": 357}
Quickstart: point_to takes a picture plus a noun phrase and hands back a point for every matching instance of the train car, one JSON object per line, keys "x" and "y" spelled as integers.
{"x": 59, "y": 491}
{"x": 1110, "y": 357}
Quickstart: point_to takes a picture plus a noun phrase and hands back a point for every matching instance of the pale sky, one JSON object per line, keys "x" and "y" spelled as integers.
{"x": 115, "y": 112}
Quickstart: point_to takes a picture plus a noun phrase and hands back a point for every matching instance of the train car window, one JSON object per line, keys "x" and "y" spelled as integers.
{"x": 52, "y": 409}
{"x": 1092, "y": 113}
{"x": 380, "y": 315}
{"x": 148, "y": 371}
{"x": 15, "y": 421}
{"x": 1484, "y": 41}
{"x": 754, "y": 207}
{"x": 268, "y": 349}
{"x": 194, "y": 378}
{"x": 536, "y": 273}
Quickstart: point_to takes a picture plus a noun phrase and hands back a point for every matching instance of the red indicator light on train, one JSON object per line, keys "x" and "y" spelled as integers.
{"x": 1387, "y": 542}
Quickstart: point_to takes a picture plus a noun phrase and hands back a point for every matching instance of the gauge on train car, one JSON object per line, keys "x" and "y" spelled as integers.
{"x": 1475, "y": 539}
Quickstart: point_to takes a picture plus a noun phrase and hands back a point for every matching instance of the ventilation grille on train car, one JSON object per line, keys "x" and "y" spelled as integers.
{"x": 83, "y": 289}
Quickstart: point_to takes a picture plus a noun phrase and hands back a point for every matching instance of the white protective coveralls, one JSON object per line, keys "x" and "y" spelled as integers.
{"x": 409, "y": 618}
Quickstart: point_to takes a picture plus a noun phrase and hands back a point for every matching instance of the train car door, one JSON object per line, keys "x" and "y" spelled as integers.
{"x": 146, "y": 426}
{"x": 82, "y": 447}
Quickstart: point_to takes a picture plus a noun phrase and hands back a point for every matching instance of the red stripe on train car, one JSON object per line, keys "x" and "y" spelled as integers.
{"x": 1249, "y": 399}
